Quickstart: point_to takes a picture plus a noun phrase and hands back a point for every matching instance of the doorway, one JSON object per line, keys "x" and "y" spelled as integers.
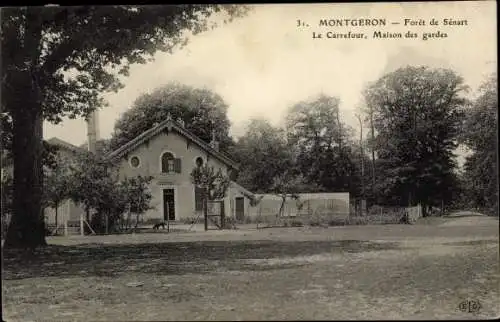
{"x": 168, "y": 204}
{"x": 240, "y": 208}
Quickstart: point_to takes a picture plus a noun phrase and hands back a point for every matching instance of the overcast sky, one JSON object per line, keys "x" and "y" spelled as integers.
{"x": 263, "y": 63}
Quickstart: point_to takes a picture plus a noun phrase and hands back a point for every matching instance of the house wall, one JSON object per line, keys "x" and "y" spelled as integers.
{"x": 313, "y": 203}
{"x": 150, "y": 153}
{"x": 232, "y": 194}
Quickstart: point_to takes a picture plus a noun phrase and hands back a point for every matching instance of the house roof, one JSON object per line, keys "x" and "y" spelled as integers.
{"x": 245, "y": 192}
{"x": 168, "y": 125}
{"x": 63, "y": 144}
{"x": 8, "y": 161}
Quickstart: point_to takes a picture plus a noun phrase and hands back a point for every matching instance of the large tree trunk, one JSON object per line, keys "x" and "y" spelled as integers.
{"x": 24, "y": 98}
{"x": 27, "y": 229}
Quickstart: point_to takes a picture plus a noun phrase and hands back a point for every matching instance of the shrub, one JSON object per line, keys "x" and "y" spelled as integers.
{"x": 230, "y": 223}
{"x": 336, "y": 222}
{"x": 296, "y": 223}
{"x": 152, "y": 221}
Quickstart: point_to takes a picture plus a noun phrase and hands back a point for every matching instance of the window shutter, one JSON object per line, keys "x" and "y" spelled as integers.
{"x": 177, "y": 165}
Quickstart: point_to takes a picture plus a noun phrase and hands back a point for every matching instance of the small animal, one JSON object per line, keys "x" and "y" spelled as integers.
{"x": 157, "y": 226}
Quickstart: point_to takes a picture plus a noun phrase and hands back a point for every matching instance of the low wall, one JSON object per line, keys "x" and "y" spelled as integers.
{"x": 308, "y": 204}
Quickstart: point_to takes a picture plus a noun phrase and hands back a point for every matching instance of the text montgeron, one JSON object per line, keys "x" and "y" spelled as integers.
{"x": 352, "y": 22}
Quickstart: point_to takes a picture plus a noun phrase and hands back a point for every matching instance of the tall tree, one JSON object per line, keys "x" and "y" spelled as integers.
{"x": 480, "y": 135}
{"x": 417, "y": 114}
{"x": 263, "y": 153}
{"x": 214, "y": 185}
{"x": 201, "y": 110}
{"x": 56, "y": 62}
{"x": 93, "y": 181}
{"x": 57, "y": 184}
{"x": 322, "y": 142}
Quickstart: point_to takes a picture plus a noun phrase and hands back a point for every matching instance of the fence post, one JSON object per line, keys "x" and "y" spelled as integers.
{"x": 81, "y": 225}
{"x": 222, "y": 215}
{"x": 205, "y": 208}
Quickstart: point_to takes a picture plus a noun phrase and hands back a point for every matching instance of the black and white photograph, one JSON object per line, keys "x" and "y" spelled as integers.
{"x": 250, "y": 162}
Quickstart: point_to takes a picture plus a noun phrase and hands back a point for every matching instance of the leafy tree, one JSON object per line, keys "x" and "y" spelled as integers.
{"x": 417, "y": 114}
{"x": 201, "y": 110}
{"x": 287, "y": 186}
{"x": 49, "y": 156}
{"x": 360, "y": 179}
{"x": 57, "y": 61}
{"x": 137, "y": 196}
{"x": 263, "y": 153}
{"x": 57, "y": 184}
{"x": 322, "y": 143}
{"x": 214, "y": 185}
{"x": 480, "y": 135}
{"x": 94, "y": 183}
{"x": 131, "y": 195}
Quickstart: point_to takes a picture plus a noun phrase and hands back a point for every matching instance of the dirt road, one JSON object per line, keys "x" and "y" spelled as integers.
{"x": 363, "y": 272}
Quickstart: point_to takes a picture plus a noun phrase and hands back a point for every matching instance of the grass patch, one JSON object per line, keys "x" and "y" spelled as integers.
{"x": 326, "y": 220}
{"x": 165, "y": 258}
{"x": 276, "y": 276}
{"x": 473, "y": 242}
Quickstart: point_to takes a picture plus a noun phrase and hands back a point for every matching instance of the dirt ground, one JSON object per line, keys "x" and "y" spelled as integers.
{"x": 421, "y": 271}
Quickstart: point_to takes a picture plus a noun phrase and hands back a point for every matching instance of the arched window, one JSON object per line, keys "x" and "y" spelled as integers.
{"x": 167, "y": 162}
{"x": 199, "y": 161}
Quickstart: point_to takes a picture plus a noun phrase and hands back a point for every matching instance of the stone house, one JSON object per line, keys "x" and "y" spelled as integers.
{"x": 168, "y": 152}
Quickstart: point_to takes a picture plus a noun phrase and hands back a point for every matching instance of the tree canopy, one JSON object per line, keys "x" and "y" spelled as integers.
{"x": 480, "y": 135}
{"x": 417, "y": 116}
{"x": 321, "y": 142}
{"x": 58, "y": 61}
{"x": 203, "y": 112}
{"x": 263, "y": 153}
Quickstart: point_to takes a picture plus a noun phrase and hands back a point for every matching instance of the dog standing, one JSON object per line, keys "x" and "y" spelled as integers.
{"x": 157, "y": 226}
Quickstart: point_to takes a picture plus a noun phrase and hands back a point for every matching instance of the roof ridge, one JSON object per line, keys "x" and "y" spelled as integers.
{"x": 159, "y": 127}
{"x": 57, "y": 141}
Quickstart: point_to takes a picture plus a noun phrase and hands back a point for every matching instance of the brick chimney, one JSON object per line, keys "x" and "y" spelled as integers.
{"x": 92, "y": 131}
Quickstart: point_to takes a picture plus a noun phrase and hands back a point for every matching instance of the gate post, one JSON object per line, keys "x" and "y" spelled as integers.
{"x": 222, "y": 215}
{"x": 81, "y": 225}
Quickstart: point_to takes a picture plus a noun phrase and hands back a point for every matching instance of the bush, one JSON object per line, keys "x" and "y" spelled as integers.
{"x": 389, "y": 216}
{"x": 314, "y": 223}
{"x": 230, "y": 222}
{"x": 336, "y": 222}
{"x": 296, "y": 223}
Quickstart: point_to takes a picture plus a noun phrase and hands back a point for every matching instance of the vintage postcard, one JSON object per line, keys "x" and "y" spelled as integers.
{"x": 324, "y": 161}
